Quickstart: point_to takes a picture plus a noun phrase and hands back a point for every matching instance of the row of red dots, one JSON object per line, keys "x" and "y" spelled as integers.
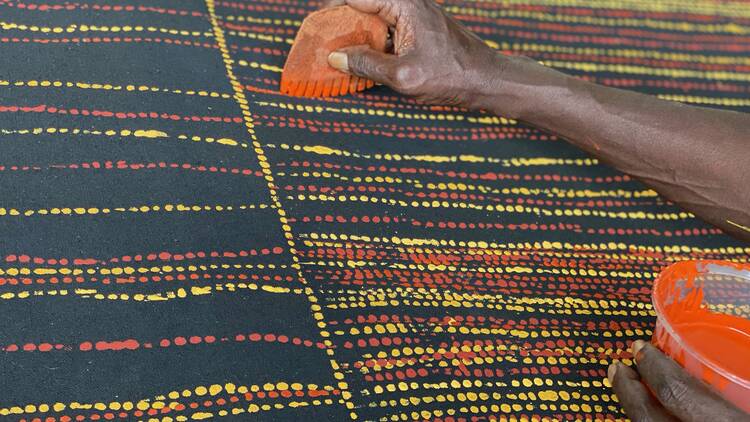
{"x": 613, "y": 13}
{"x": 42, "y": 108}
{"x": 562, "y": 286}
{"x": 259, "y": 29}
{"x": 108, "y": 40}
{"x": 163, "y": 256}
{"x": 132, "y": 344}
{"x": 14, "y": 281}
{"x": 464, "y": 174}
{"x": 584, "y": 260}
{"x": 264, "y": 8}
{"x": 591, "y": 203}
{"x": 124, "y": 165}
{"x": 44, "y": 7}
{"x": 675, "y": 84}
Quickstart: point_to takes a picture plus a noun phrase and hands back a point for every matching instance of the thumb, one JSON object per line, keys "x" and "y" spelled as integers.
{"x": 365, "y": 62}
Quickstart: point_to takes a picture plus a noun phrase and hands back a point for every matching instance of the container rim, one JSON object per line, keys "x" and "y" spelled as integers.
{"x": 702, "y": 265}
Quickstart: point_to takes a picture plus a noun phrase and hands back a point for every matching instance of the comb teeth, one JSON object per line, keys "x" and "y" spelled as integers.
{"x": 307, "y": 72}
{"x": 326, "y": 88}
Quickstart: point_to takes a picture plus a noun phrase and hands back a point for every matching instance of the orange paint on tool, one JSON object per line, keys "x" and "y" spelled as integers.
{"x": 711, "y": 345}
{"x": 307, "y": 73}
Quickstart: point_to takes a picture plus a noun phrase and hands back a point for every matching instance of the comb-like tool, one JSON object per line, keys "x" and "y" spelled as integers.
{"x": 307, "y": 72}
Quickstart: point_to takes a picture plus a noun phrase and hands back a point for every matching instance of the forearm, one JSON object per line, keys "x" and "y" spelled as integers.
{"x": 696, "y": 157}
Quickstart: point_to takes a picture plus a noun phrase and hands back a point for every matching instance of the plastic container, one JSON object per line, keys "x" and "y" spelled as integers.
{"x": 703, "y": 323}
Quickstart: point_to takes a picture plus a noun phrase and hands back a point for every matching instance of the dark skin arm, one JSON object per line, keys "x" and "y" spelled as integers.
{"x": 696, "y": 157}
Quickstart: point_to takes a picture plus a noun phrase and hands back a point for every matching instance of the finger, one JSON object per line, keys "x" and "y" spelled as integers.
{"x": 366, "y": 62}
{"x": 638, "y": 403}
{"x": 325, "y": 4}
{"x": 686, "y": 397}
{"x": 388, "y": 10}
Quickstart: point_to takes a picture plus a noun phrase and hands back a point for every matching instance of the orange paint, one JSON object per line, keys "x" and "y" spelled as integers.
{"x": 710, "y": 345}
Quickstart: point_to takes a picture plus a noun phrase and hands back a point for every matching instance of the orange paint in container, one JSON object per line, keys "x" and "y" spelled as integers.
{"x": 703, "y": 323}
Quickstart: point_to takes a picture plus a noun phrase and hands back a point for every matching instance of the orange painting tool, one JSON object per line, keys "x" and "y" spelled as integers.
{"x": 307, "y": 73}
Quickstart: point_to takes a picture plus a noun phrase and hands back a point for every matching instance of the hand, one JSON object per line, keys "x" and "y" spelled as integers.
{"x": 435, "y": 59}
{"x": 676, "y": 395}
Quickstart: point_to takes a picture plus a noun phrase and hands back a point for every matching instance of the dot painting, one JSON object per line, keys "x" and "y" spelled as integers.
{"x": 182, "y": 242}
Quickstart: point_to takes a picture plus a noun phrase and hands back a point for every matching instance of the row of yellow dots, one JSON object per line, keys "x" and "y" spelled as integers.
{"x": 470, "y": 396}
{"x": 496, "y": 408}
{"x": 355, "y": 179}
{"x": 154, "y": 297}
{"x": 262, "y": 66}
{"x": 324, "y": 150}
{"x": 182, "y": 293}
{"x": 139, "y": 133}
{"x": 425, "y": 293}
{"x": 505, "y": 408}
{"x": 148, "y": 133}
{"x": 210, "y": 140}
{"x": 253, "y": 408}
{"x": 111, "y": 87}
{"x": 419, "y": 351}
{"x": 479, "y": 360}
{"x": 264, "y": 21}
{"x": 581, "y": 254}
{"x": 262, "y": 37}
{"x": 159, "y": 402}
{"x": 242, "y": 102}
{"x": 463, "y": 187}
{"x": 730, "y": 102}
{"x": 489, "y": 120}
{"x": 549, "y": 192}
{"x": 373, "y": 301}
{"x": 479, "y": 348}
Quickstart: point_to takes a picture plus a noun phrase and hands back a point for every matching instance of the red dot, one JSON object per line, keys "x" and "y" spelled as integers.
{"x": 180, "y": 341}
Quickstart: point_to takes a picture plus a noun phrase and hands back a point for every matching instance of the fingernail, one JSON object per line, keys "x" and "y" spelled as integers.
{"x": 611, "y": 371}
{"x": 636, "y": 347}
{"x": 339, "y": 60}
